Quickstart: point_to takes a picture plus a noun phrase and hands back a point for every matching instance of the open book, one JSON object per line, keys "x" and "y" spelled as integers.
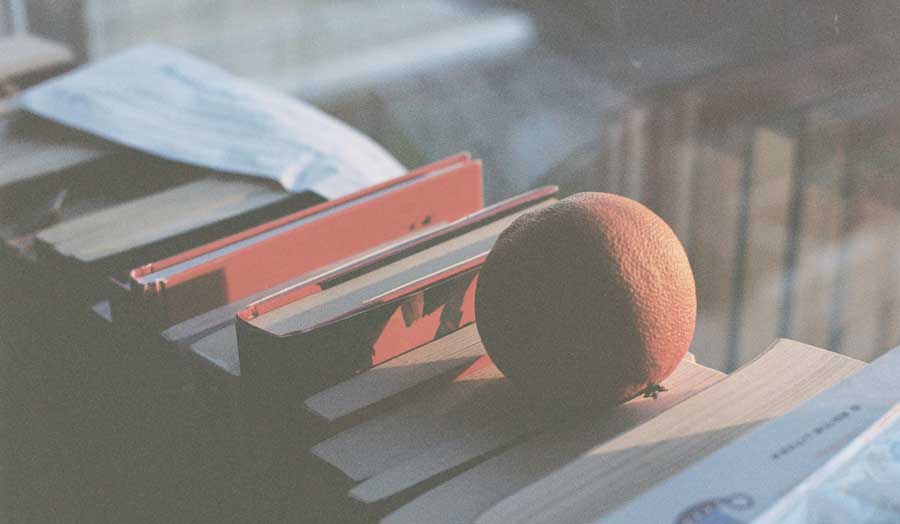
{"x": 453, "y": 441}
{"x": 859, "y": 482}
{"x": 765, "y": 464}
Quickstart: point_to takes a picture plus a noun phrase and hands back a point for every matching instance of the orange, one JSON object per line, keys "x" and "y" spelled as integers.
{"x": 588, "y": 302}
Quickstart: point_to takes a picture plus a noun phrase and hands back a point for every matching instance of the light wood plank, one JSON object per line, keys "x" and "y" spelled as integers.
{"x": 24, "y": 54}
{"x": 156, "y": 217}
{"x": 30, "y": 148}
{"x": 434, "y": 359}
{"x": 687, "y": 380}
{"x": 156, "y": 202}
{"x": 389, "y": 440}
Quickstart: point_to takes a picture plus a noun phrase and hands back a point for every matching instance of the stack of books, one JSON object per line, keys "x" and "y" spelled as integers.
{"x": 225, "y": 279}
{"x": 332, "y": 345}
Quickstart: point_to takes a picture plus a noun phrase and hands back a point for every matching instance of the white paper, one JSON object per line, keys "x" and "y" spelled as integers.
{"x": 742, "y": 480}
{"x": 861, "y": 484}
{"x": 165, "y": 102}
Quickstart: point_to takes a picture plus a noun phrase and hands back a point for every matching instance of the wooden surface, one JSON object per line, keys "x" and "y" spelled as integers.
{"x": 25, "y": 54}
{"x": 33, "y": 147}
{"x": 453, "y": 352}
{"x": 155, "y": 217}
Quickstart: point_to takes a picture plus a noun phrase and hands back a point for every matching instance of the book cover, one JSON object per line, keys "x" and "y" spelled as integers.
{"x": 230, "y": 269}
{"x": 764, "y": 464}
{"x": 26, "y": 59}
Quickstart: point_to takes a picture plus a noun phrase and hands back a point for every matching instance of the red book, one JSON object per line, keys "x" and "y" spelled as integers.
{"x": 310, "y": 336}
{"x": 235, "y": 267}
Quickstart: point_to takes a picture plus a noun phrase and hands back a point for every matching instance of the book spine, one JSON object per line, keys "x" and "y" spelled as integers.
{"x": 718, "y": 198}
{"x": 637, "y": 153}
{"x": 761, "y": 284}
{"x": 660, "y": 137}
{"x": 869, "y": 250}
{"x": 672, "y": 153}
{"x": 817, "y": 241}
{"x": 614, "y": 155}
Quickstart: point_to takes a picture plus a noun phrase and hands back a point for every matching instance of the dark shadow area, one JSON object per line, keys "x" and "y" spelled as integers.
{"x": 98, "y": 433}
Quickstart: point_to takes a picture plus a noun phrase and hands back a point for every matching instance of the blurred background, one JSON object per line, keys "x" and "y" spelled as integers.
{"x": 762, "y": 131}
{"x": 766, "y": 132}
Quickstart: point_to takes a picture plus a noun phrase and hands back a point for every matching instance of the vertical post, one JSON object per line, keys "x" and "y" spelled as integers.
{"x": 18, "y": 16}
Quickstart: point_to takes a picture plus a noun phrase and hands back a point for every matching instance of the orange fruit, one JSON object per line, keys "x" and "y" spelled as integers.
{"x": 587, "y": 302}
